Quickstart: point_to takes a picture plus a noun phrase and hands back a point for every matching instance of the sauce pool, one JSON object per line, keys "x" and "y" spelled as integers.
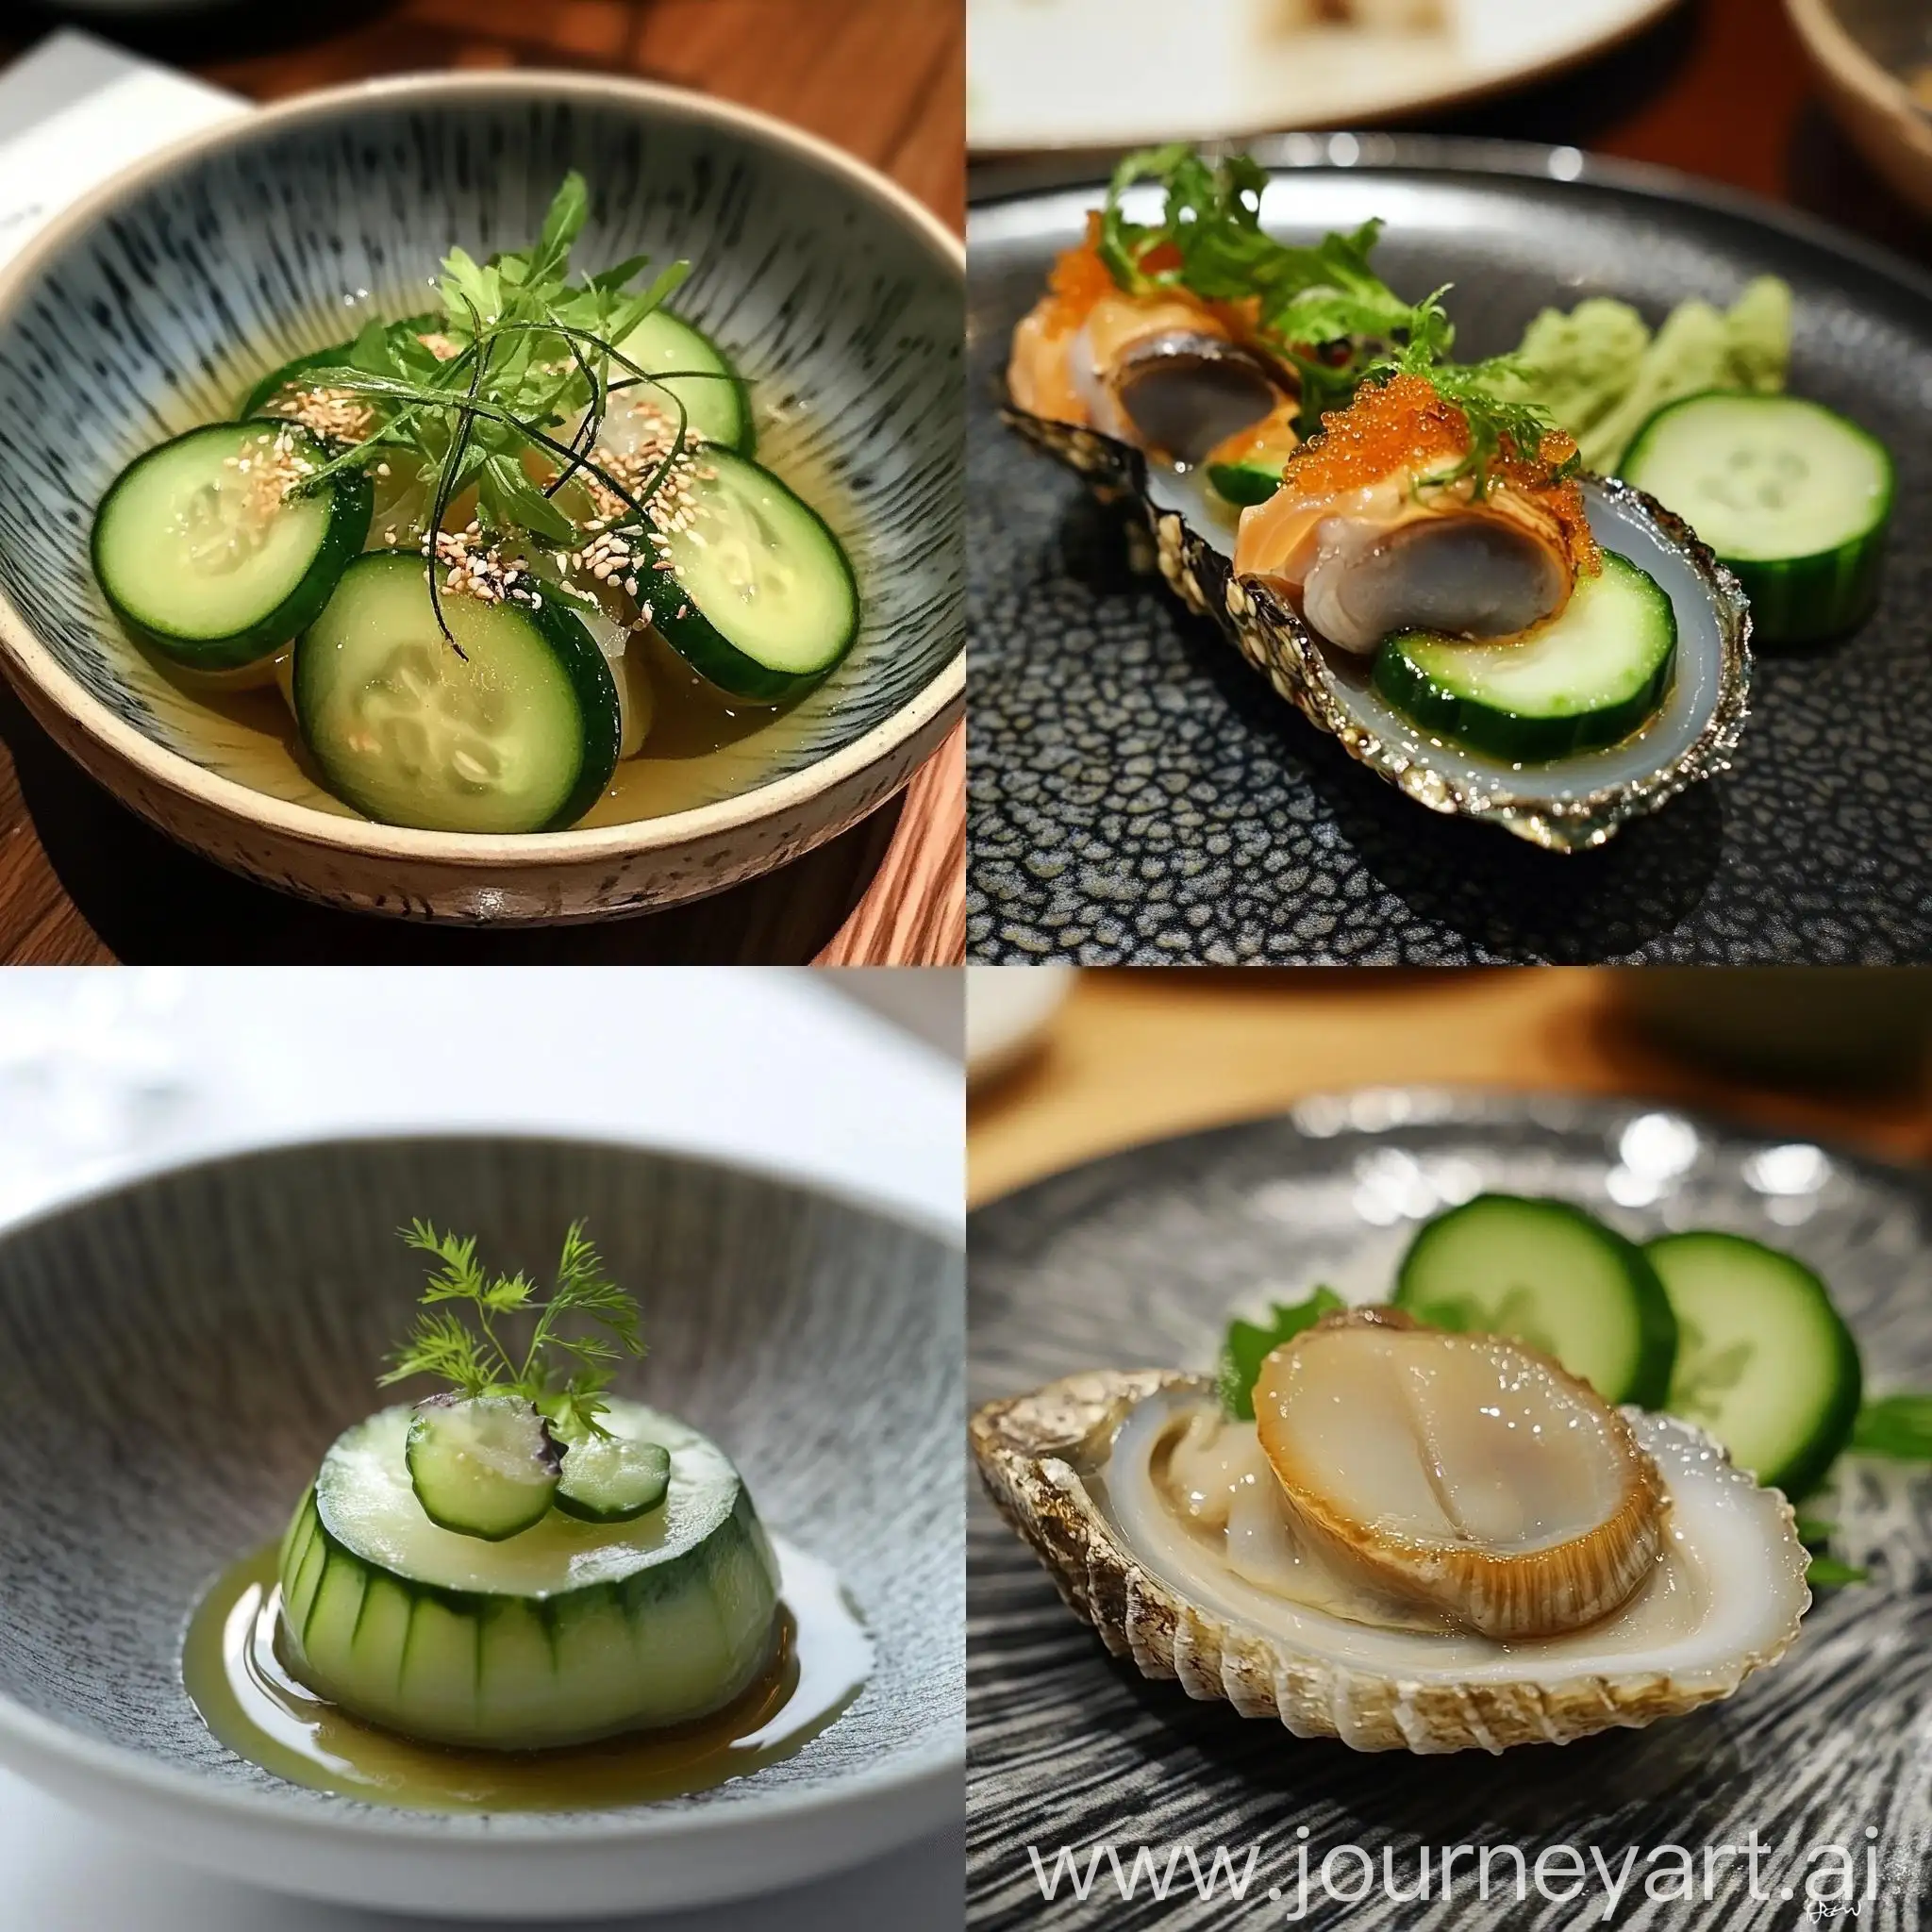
{"x": 233, "y": 1672}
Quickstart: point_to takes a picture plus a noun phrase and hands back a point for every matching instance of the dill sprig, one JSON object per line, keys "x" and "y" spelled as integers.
{"x": 561, "y": 1370}
{"x": 1323, "y": 309}
{"x": 530, "y": 349}
{"x": 1500, "y": 426}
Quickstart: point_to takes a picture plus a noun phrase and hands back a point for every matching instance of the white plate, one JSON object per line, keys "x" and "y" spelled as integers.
{"x": 1113, "y": 74}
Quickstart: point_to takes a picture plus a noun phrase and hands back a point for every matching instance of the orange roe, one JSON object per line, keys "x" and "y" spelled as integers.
{"x": 1078, "y": 281}
{"x": 1402, "y": 423}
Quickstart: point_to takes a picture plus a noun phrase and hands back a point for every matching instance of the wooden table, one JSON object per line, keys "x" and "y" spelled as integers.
{"x": 82, "y": 880}
{"x": 1139, "y": 1055}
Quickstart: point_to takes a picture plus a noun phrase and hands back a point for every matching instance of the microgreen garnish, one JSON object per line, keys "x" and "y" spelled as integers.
{"x": 1323, "y": 309}
{"x": 519, "y": 349}
{"x": 1249, "y": 1344}
{"x": 472, "y": 1356}
{"x": 1498, "y": 427}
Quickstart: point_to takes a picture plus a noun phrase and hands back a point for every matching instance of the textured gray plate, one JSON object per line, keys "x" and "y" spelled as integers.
{"x": 1138, "y": 1259}
{"x": 1138, "y": 794}
{"x": 175, "y": 1356}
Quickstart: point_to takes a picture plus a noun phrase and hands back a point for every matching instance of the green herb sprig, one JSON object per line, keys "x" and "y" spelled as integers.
{"x": 1499, "y": 424}
{"x": 1898, "y": 1426}
{"x": 1323, "y": 309}
{"x": 562, "y": 1370}
{"x": 532, "y": 349}
{"x": 1249, "y": 1344}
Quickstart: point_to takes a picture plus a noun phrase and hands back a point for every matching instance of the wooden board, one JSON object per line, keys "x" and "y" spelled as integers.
{"x": 1139, "y": 1055}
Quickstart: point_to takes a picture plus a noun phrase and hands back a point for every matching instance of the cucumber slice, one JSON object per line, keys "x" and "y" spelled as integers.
{"x": 612, "y": 1479}
{"x": 1592, "y": 676}
{"x": 1547, "y": 1274}
{"x": 1793, "y": 498}
{"x": 762, "y": 601}
{"x": 486, "y": 1467}
{"x": 208, "y": 561}
{"x": 567, "y": 1632}
{"x": 519, "y": 734}
{"x": 293, "y": 373}
{"x": 1765, "y": 1363}
{"x": 1249, "y": 481}
{"x": 290, "y": 376}
{"x": 716, "y": 401}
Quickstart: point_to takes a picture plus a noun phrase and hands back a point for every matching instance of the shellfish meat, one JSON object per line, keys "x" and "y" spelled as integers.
{"x": 1425, "y": 1542}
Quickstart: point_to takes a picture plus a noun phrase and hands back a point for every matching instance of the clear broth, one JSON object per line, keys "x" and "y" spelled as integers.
{"x": 233, "y": 1672}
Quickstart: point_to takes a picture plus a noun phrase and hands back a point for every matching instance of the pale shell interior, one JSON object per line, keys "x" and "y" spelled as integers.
{"x": 1729, "y": 1588}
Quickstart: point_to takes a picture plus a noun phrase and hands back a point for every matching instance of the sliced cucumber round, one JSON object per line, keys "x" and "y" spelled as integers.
{"x": 1251, "y": 480}
{"x": 483, "y": 1466}
{"x": 1547, "y": 1274}
{"x": 1592, "y": 676}
{"x": 1793, "y": 497}
{"x": 567, "y": 1632}
{"x": 612, "y": 1478}
{"x": 291, "y": 374}
{"x": 761, "y": 600}
{"x": 294, "y": 373}
{"x": 200, "y": 551}
{"x": 520, "y": 733}
{"x": 717, "y": 404}
{"x": 1764, "y": 1363}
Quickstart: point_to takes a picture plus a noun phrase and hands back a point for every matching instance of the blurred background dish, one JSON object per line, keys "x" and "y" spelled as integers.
{"x": 1874, "y": 59}
{"x": 1010, "y": 1011}
{"x": 1151, "y": 71}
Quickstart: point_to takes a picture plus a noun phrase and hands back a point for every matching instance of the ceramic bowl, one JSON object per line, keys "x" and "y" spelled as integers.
{"x": 176, "y": 1355}
{"x": 121, "y": 325}
{"x": 1868, "y": 53}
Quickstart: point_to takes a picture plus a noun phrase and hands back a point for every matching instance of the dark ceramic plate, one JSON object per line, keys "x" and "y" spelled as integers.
{"x": 1138, "y": 794}
{"x": 1137, "y": 1261}
{"x": 176, "y": 1355}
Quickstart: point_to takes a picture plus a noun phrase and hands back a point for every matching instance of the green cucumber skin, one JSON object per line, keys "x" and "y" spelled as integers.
{"x": 590, "y": 677}
{"x": 745, "y": 442}
{"x": 351, "y": 507}
{"x": 333, "y": 357}
{"x": 1798, "y": 600}
{"x": 413, "y": 1451}
{"x": 715, "y": 658}
{"x": 256, "y": 401}
{"x": 1806, "y": 600}
{"x": 1656, "y": 1322}
{"x": 597, "y": 689}
{"x": 573, "y": 1504}
{"x": 1243, "y": 483}
{"x": 1802, "y": 1471}
{"x": 393, "y": 1619}
{"x": 1519, "y": 739}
